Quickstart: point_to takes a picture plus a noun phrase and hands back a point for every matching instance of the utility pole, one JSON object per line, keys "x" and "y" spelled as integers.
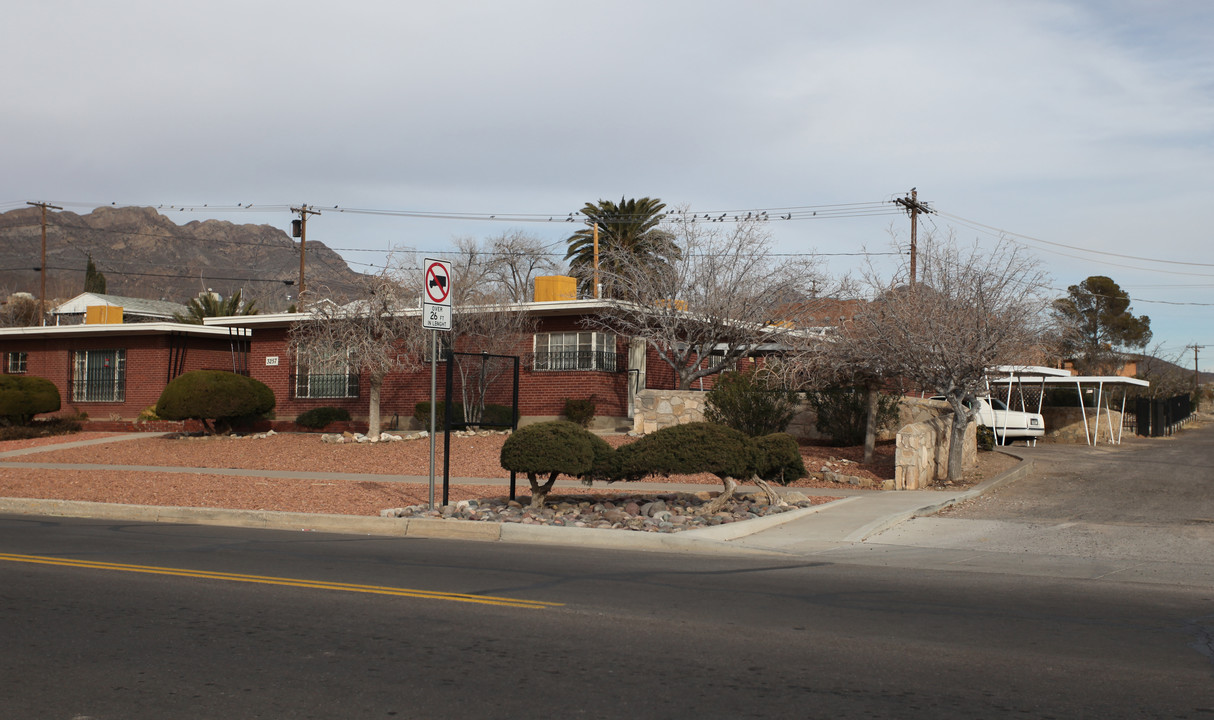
{"x": 299, "y": 229}
{"x": 42, "y": 267}
{"x": 596, "y": 260}
{"x": 1195, "y": 348}
{"x": 913, "y": 208}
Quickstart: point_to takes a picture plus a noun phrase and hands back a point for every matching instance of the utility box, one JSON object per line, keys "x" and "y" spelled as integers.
{"x": 555, "y": 288}
{"x": 103, "y": 315}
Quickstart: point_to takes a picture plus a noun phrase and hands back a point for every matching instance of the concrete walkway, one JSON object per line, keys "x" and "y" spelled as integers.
{"x": 857, "y": 516}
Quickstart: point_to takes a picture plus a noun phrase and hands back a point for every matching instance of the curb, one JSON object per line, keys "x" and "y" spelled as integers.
{"x": 706, "y": 540}
{"x": 882, "y": 524}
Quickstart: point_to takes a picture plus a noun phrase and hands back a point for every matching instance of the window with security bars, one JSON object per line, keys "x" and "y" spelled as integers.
{"x": 17, "y": 362}
{"x": 99, "y": 376}
{"x": 325, "y": 375}
{"x": 582, "y": 350}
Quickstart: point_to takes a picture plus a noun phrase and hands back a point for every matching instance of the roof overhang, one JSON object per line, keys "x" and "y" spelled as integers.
{"x": 151, "y": 328}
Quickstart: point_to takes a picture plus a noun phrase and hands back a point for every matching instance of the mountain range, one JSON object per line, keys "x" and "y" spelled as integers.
{"x": 144, "y": 254}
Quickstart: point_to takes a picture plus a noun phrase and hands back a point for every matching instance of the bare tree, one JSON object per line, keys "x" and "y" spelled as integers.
{"x": 20, "y": 310}
{"x": 971, "y": 311}
{"x": 484, "y": 319}
{"x": 516, "y": 260}
{"x": 373, "y": 333}
{"x": 1167, "y": 376}
{"x": 724, "y": 296}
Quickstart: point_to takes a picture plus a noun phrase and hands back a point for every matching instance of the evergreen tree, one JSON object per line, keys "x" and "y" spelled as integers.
{"x": 1095, "y": 324}
{"x": 94, "y": 282}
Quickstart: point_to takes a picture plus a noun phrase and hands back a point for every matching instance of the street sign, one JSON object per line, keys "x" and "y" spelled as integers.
{"x": 436, "y": 317}
{"x": 436, "y": 282}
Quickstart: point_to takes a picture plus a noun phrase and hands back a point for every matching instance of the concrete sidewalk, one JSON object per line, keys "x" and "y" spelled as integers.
{"x": 857, "y": 516}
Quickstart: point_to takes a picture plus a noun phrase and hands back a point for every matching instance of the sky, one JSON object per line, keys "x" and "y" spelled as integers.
{"x": 1080, "y": 130}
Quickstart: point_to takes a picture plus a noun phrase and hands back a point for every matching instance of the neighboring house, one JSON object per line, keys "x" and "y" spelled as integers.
{"x": 133, "y": 310}
{"x": 117, "y": 369}
{"x": 113, "y": 371}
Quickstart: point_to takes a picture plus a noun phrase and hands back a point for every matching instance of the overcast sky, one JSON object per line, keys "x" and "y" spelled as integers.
{"x": 1086, "y": 124}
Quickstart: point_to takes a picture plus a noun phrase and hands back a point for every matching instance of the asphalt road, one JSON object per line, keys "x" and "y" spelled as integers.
{"x": 454, "y": 629}
{"x": 1147, "y": 500}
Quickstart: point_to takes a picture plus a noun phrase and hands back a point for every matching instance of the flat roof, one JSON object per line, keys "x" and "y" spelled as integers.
{"x": 1071, "y": 379}
{"x": 150, "y": 328}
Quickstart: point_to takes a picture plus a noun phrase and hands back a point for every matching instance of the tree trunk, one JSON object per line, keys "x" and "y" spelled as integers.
{"x": 539, "y": 493}
{"x": 956, "y": 447}
{"x": 772, "y": 498}
{"x": 377, "y": 382}
{"x": 871, "y": 397}
{"x": 720, "y": 500}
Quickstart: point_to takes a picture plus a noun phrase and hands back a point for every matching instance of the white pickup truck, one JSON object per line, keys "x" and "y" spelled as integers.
{"x": 1007, "y": 424}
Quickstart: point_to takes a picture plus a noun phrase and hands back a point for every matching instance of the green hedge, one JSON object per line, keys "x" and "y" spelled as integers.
{"x": 779, "y": 458}
{"x": 214, "y": 395}
{"x": 701, "y": 447}
{"x": 24, "y": 396}
{"x": 321, "y": 417}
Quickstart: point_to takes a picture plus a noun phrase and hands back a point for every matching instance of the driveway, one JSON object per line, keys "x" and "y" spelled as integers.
{"x": 1147, "y": 499}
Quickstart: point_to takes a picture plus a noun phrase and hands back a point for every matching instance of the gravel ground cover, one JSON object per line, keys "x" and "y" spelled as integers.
{"x": 472, "y": 457}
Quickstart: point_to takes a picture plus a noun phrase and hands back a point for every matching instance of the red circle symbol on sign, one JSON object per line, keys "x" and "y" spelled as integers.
{"x": 438, "y": 283}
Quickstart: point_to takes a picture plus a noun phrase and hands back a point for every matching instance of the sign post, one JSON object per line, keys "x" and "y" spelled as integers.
{"x": 436, "y": 315}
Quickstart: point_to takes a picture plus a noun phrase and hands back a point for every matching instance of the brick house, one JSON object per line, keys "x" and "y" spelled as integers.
{"x": 114, "y": 370}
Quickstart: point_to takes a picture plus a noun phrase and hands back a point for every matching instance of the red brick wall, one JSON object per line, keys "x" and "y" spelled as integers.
{"x": 540, "y": 393}
{"x": 147, "y": 366}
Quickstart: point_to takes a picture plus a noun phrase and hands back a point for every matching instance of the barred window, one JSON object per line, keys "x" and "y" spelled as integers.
{"x": 17, "y": 362}
{"x": 575, "y": 351}
{"x": 99, "y": 376}
{"x": 321, "y": 374}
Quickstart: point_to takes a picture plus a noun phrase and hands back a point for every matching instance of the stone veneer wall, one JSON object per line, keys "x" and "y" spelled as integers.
{"x": 921, "y": 456}
{"x": 1065, "y": 425}
{"x": 656, "y": 409}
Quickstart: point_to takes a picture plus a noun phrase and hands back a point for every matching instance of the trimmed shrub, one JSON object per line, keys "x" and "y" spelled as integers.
{"x": 580, "y": 410}
{"x": 779, "y": 458}
{"x": 843, "y": 413}
{"x": 985, "y": 438}
{"x": 497, "y": 415}
{"x": 751, "y": 402}
{"x": 554, "y": 448}
{"x": 319, "y": 418}
{"x": 24, "y": 396}
{"x": 421, "y": 413}
{"x": 701, "y": 447}
{"x": 217, "y": 395}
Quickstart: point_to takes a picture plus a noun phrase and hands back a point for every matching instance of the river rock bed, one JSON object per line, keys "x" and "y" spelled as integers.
{"x": 666, "y": 512}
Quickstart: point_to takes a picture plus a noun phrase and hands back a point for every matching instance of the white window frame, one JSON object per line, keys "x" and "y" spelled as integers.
{"x": 586, "y": 347}
{"x": 17, "y": 363}
{"x": 324, "y": 376}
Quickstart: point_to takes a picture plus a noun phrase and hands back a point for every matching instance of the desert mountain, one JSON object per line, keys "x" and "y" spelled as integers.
{"x": 144, "y": 254}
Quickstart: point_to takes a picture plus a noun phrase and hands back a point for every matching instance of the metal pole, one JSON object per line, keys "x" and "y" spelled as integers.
{"x": 433, "y": 410}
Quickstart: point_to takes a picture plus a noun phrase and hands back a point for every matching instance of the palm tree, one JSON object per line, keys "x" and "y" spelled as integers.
{"x": 210, "y": 304}
{"x": 632, "y": 227}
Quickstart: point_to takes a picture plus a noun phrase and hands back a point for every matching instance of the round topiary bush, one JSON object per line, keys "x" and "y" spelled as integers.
{"x": 214, "y": 395}
{"x": 24, "y": 396}
{"x": 779, "y": 458}
{"x": 554, "y": 448}
{"x": 321, "y": 417}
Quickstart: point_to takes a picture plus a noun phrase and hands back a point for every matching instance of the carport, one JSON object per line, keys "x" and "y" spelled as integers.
{"x": 1014, "y": 379}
